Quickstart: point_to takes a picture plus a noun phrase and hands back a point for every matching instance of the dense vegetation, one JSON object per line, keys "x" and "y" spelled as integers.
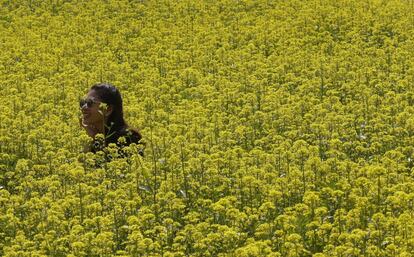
{"x": 272, "y": 128}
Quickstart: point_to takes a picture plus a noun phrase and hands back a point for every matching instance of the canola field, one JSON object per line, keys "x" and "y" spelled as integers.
{"x": 272, "y": 128}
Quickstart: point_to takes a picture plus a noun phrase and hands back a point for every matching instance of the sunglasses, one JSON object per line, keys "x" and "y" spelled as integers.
{"x": 89, "y": 102}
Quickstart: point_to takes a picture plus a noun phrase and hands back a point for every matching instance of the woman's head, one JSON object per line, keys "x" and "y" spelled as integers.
{"x": 112, "y": 116}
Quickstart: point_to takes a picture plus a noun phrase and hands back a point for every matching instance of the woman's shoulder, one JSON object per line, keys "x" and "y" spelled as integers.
{"x": 132, "y": 136}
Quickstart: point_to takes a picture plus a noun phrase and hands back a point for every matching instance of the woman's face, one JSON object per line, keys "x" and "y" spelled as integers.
{"x": 91, "y": 113}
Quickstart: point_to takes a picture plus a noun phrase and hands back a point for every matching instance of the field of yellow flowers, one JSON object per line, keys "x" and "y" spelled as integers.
{"x": 272, "y": 128}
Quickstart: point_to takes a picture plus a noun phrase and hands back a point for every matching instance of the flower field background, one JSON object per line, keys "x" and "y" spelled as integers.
{"x": 272, "y": 128}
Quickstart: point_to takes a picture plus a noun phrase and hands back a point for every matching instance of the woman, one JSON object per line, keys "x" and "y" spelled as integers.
{"x": 102, "y": 113}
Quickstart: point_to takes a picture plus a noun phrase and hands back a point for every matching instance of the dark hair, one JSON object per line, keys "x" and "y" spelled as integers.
{"x": 115, "y": 126}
